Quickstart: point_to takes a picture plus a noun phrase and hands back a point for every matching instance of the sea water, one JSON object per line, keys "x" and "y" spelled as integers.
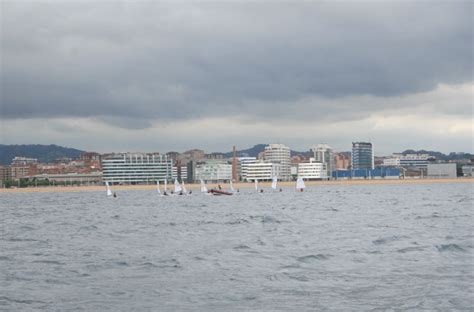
{"x": 334, "y": 248}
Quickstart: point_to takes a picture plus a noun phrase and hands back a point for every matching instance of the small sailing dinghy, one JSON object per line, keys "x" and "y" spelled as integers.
{"x": 300, "y": 184}
{"x": 158, "y": 188}
{"x": 274, "y": 183}
{"x": 203, "y": 187}
{"x": 109, "y": 191}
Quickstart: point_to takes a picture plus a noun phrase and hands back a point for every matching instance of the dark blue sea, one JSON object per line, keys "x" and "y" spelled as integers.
{"x": 330, "y": 248}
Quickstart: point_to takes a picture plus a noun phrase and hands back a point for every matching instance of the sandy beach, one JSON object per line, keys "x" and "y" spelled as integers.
{"x": 240, "y": 185}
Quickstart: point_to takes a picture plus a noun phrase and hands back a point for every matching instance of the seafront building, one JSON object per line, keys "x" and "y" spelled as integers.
{"x": 214, "y": 171}
{"x": 408, "y": 160}
{"x": 242, "y": 166}
{"x": 136, "y": 168}
{"x": 279, "y": 154}
{"x": 263, "y": 171}
{"x": 362, "y": 155}
{"x": 323, "y": 154}
{"x": 180, "y": 173}
{"x": 342, "y": 161}
{"x": 442, "y": 171}
{"x": 312, "y": 170}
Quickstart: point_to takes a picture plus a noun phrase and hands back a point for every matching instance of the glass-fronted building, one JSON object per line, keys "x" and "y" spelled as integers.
{"x": 362, "y": 155}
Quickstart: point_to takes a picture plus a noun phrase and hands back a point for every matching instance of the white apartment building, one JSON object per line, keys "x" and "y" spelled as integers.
{"x": 242, "y": 163}
{"x": 180, "y": 173}
{"x": 279, "y": 154}
{"x": 324, "y": 154}
{"x": 136, "y": 168}
{"x": 312, "y": 170}
{"x": 214, "y": 171}
{"x": 262, "y": 171}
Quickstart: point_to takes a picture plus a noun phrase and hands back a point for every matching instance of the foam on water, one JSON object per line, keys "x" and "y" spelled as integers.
{"x": 353, "y": 247}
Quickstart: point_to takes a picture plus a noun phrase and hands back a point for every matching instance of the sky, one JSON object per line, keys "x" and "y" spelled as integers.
{"x": 171, "y": 76}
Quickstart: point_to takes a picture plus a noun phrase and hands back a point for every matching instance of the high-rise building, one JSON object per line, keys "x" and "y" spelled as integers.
{"x": 279, "y": 154}
{"x": 362, "y": 155}
{"x": 323, "y": 154}
{"x": 136, "y": 168}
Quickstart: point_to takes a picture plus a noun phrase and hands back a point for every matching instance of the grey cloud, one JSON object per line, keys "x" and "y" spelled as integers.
{"x": 120, "y": 61}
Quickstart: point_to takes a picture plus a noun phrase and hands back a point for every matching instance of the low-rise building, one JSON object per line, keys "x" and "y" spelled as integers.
{"x": 312, "y": 170}
{"x": 467, "y": 170}
{"x": 408, "y": 160}
{"x": 263, "y": 171}
{"x": 242, "y": 164}
{"x": 213, "y": 171}
{"x": 23, "y": 161}
{"x": 442, "y": 171}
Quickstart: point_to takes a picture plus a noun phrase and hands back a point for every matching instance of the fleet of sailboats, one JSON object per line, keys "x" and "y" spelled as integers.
{"x": 180, "y": 189}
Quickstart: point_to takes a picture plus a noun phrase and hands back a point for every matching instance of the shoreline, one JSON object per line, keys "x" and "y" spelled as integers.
{"x": 237, "y": 185}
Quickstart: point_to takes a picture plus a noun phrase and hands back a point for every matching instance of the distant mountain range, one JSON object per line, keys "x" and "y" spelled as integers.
{"x": 48, "y": 153}
{"x": 44, "y": 153}
{"x": 257, "y": 149}
{"x": 441, "y": 156}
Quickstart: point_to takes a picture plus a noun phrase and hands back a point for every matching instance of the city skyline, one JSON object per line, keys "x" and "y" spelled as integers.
{"x": 119, "y": 76}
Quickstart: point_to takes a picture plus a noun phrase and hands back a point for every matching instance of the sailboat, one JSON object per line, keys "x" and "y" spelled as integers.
{"x": 231, "y": 187}
{"x": 274, "y": 183}
{"x": 109, "y": 191}
{"x": 177, "y": 188}
{"x": 158, "y": 187}
{"x": 300, "y": 184}
{"x": 184, "y": 188}
{"x": 256, "y": 184}
{"x": 203, "y": 187}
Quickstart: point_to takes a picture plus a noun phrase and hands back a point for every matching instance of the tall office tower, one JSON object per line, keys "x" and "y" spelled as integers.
{"x": 362, "y": 155}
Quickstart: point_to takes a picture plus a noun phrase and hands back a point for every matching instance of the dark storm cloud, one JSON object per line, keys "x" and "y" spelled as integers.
{"x": 128, "y": 63}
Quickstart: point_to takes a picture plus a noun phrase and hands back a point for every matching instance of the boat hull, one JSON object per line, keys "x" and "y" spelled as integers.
{"x": 219, "y": 192}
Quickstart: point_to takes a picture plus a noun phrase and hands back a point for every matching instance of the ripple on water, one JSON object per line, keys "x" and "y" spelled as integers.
{"x": 450, "y": 248}
{"x": 312, "y": 258}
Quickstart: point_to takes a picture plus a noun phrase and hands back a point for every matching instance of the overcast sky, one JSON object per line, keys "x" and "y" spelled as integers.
{"x": 161, "y": 76}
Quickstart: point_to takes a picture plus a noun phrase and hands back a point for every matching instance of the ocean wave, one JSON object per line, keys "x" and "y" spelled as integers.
{"x": 450, "y": 247}
{"x": 311, "y": 258}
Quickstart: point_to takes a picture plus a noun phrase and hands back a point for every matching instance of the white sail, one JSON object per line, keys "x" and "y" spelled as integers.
{"x": 177, "y": 187}
{"x": 109, "y": 191}
{"x": 274, "y": 183}
{"x": 231, "y": 187}
{"x": 184, "y": 188}
{"x": 203, "y": 187}
{"x": 256, "y": 184}
{"x": 300, "y": 184}
{"x": 158, "y": 187}
{"x": 166, "y": 186}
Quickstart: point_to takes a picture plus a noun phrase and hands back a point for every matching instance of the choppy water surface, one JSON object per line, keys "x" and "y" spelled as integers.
{"x": 329, "y": 248}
